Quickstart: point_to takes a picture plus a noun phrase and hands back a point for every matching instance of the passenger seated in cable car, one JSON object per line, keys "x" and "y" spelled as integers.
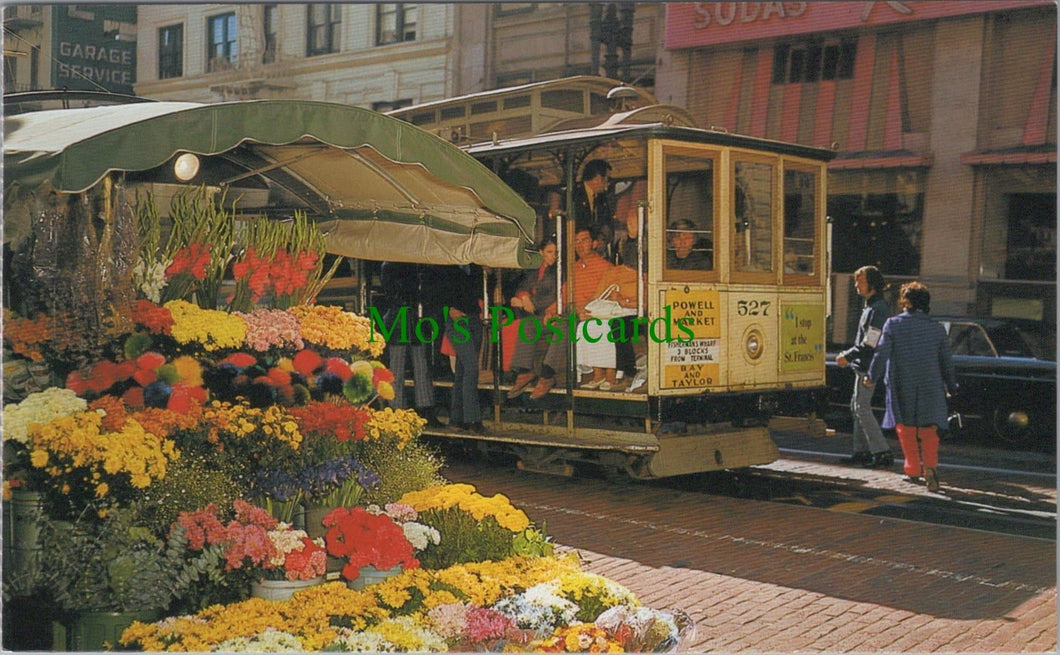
{"x": 589, "y": 269}
{"x": 615, "y": 335}
{"x": 685, "y": 251}
{"x": 534, "y": 292}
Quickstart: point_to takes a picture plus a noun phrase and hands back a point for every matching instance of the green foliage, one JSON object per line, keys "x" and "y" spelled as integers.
{"x": 414, "y": 467}
{"x": 112, "y": 565}
{"x": 189, "y": 485}
{"x": 464, "y": 538}
{"x": 532, "y": 542}
{"x": 322, "y": 447}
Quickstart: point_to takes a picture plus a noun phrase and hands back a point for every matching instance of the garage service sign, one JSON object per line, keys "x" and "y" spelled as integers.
{"x": 94, "y": 47}
{"x": 695, "y": 362}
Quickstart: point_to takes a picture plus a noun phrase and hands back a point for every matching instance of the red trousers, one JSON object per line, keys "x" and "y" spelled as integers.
{"x": 919, "y": 444}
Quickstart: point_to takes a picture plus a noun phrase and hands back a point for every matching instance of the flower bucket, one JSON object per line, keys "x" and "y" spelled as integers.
{"x": 282, "y": 589}
{"x": 23, "y": 518}
{"x": 96, "y": 630}
{"x": 314, "y": 520}
{"x": 369, "y": 575}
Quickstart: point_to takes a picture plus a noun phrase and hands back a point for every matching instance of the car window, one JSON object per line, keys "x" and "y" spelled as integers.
{"x": 1024, "y": 340}
{"x": 970, "y": 339}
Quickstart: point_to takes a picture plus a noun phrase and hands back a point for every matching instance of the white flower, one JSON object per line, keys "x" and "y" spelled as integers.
{"x": 420, "y": 535}
{"x": 286, "y": 541}
{"x": 150, "y": 279}
{"x": 41, "y": 408}
{"x": 539, "y": 608}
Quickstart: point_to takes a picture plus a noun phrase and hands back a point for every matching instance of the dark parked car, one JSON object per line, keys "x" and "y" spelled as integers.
{"x": 1006, "y": 369}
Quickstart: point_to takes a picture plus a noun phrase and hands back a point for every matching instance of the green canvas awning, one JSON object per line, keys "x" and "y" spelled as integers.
{"x": 380, "y": 188}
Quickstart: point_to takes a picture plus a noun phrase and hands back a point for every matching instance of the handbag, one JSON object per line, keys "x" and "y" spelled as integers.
{"x": 603, "y": 307}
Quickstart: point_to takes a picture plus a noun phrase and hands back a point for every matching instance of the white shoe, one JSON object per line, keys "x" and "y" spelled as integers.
{"x": 638, "y": 382}
{"x": 594, "y": 384}
{"x": 605, "y": 386}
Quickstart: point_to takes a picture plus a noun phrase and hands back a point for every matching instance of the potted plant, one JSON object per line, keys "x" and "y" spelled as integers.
{"x": 371, "y": 544}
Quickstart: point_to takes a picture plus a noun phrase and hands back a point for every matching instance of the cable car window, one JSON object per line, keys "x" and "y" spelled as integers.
{"x": 753, "y": 209}
{"x": 689, "y": 217}
{"x": 800, "y": 222}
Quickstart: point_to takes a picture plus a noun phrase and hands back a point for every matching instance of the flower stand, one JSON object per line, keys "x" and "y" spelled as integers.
{"x": 96, "y": 631}
{"x": 282, "y": 589}
{"x": 369, "y": 575}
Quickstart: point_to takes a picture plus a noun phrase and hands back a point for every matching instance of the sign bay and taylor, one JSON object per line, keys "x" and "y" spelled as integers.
{"x": 697, "y": 362}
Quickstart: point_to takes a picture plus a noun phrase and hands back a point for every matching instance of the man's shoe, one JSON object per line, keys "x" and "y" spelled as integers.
{"x": 522, "y": 381}
{"x": 911, "y": 479}
{"x": 860, "y": 458}
{"x": 881, "y": 460}
{"x": 475, "y": 428}
{"x": 542, "y": 388}
{"x": 932, "y": 479}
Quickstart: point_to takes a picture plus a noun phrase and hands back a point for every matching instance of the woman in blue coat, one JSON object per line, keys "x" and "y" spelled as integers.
{"x": 913, "y": 358}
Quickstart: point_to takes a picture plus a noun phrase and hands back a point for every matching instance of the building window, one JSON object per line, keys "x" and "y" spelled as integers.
{"x": 1031, "y": 242}
{"x": 813, "y": 61}
{"x": 323, "y": 29}
{"x": 882, "y": 229}
{"x": 513, "y": 8}
{"x": 395, "y": 22}
{"x": 270, "y": 21}
{"x": 222, "y": 47}
{"x": 170, "y": 51}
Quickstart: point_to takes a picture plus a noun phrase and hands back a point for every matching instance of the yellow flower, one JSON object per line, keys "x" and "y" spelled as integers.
{"x": 189, "y": 370}
{"x": 385, "y": 390}
{"x": 39, "y": 458}
{"x": 102, "y": 489}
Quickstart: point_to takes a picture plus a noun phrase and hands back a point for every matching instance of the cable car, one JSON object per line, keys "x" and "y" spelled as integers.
{"x": 728, "y": 338}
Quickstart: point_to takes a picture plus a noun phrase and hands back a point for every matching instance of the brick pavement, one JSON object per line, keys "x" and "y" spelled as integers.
{"x": 767, "y": 577}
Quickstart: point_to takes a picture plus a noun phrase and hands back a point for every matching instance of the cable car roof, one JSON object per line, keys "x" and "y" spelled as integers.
{"x": 584, "y": 137}
{"x": 380, "y": 188}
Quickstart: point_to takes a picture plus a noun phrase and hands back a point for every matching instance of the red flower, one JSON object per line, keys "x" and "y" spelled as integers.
{"x": 134, "y": 397}
{"x": 150, "y": 360}
{"x": 366, "y": 539}
{"x": 278, "y": 377}
{"x": 338, "y": 367}
{"x": 381, "y": 375}
{"x": 191, "y": 259}
{"x": 307, "y": 361}
{"x": 76, "y": 382}
{"x": 240, "y": 360}
{"x": 157, "y": 320}
{"x": 184, "y": 399}
{"x": 144, "y": 376}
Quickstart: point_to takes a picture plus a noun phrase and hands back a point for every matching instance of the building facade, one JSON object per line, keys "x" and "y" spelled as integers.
{"x": 945, "y": 131}
{"x": 380, "y": 56}
{"x": 386, "y": 55}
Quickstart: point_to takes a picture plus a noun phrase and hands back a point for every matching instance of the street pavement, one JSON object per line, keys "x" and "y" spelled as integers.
{"x": 758, "y": 576}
